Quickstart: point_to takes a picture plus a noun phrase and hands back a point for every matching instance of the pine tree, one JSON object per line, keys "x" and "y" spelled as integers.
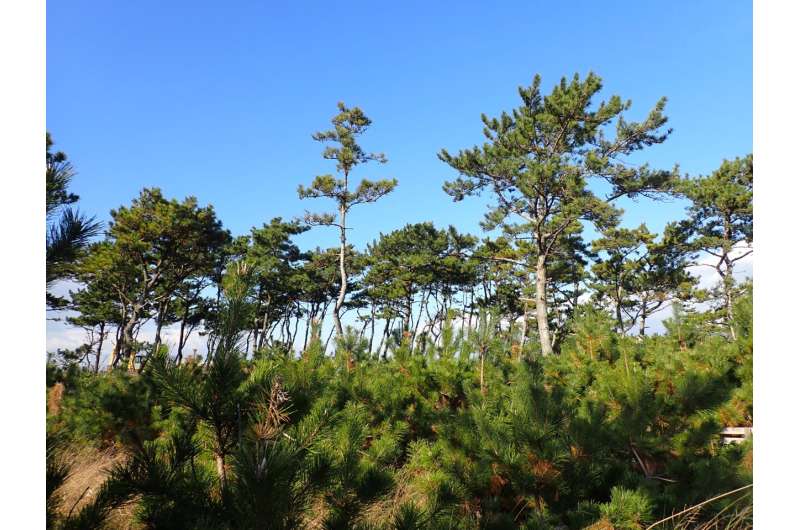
{"x": 538, "y": 162}
{"x": 152, "y": 248}
{"x": 721, "y": 216}
{"x": 348, "y": 125}
{"x": 69, "y": 234}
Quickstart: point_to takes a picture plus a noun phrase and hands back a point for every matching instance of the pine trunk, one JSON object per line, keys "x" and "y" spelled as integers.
{"x": 100, "y": 347}
{"x": 541, "y": 307}
{"x": 179, "y": 356}
{"x": 127, "y": 344}
{"x": 342, "y": 271}
{"x": 728, "y": 281}
{"x": 221, "y": 473}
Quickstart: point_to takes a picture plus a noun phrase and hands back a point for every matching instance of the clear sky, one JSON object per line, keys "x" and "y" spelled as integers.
{"x": 219, "y": 99}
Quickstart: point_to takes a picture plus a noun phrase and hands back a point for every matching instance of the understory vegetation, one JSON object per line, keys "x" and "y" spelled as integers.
{"x": 470, "y": 433}
{"x": 433, "y": 379}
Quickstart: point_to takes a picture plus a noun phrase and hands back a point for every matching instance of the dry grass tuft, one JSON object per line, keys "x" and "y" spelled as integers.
{"x": 89, "y": 469}
{"x": 54, "y": 399}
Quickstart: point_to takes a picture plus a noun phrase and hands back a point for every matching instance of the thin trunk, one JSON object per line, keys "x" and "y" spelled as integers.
{"x": 342, "y": 271}
{"x": 159, "y": 323}
{"x": 483, "y": 387}
{"x": 643, "y": 322}
{"x": 387, "y": 330}
{"x": 728, "y": 281}
{"x": 262, "y": 337}
{"x": 255, "y": 318}
{"x": 618, "y": 304}
{"x": 424, "y": 303}
{"x": 296, "y": 326}
{"x": 727, "y": 277}
{"x": 372, "y": 327}
{"x": 328, "y": 340}
{"x": 311, "y": 315}
{"x": 471, "y": 309}
{"x": 179, "y": 355}
{"x": 100, "y": 347}
{"x": 407, "y": 315}
{"x": 363, "y": 329}
{"x": 383, "y": 337}
{"x": 541, "y": 306}
{"x": 463, "y": 309}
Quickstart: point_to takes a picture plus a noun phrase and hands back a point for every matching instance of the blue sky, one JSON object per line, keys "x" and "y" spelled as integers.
{"x": 219, "y": 100}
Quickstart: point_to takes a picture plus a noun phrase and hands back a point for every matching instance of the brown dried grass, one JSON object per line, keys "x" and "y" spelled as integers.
{"x": 89, "y": 469}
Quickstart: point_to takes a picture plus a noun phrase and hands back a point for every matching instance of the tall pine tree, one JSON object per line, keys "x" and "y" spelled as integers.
{"x": 538, "y": 163}
{"x": 347, "y": 126}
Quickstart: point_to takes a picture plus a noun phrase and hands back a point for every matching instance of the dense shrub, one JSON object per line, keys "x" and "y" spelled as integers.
{"x": 614, "y": 432}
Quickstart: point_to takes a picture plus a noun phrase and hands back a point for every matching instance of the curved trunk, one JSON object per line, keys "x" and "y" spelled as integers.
{"x": 342, "y": 271}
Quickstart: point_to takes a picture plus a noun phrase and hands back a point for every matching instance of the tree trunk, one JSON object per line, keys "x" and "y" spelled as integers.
{"x": 483, "y": 386}
{"x": 255, "y": 318}
{"x": 221, "y": 473}
{"x": 179, "y": 355}
{"x": 328, "y": 340}
{"x": 643, "y": 322}
{"x": 296, "y": 326}
{"x": 618, "y": 303}
{"x": 112, "y": 361}
{"x": 342, "y": 270}
{"x": 159, "y": 325}
{"x": 425, "y": 296}
{"x": 100, "y": 347}
{"x": 263, "y": 334}
{"x": 308, "y": 327}
{"x": 541, "y": 307}
{"x": 127, "y": 343}
{"x": 385, "y": 339}
{"x": 727, "y": 276}
{"x": 728, "y": 281}
{"x": 372, "y": 327}
{"x": 407, "y": 315}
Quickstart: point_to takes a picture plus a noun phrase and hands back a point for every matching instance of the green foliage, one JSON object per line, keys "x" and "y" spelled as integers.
{"x": 69, "y": 234}
{"x": 348, "y": 125}
{"x": 627, "y": 510}
{"x": 613, "y": 429}
{"x": 107, "y": 408}
{"x": 446, "y": 414}
{"x": 538, "y": 163}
